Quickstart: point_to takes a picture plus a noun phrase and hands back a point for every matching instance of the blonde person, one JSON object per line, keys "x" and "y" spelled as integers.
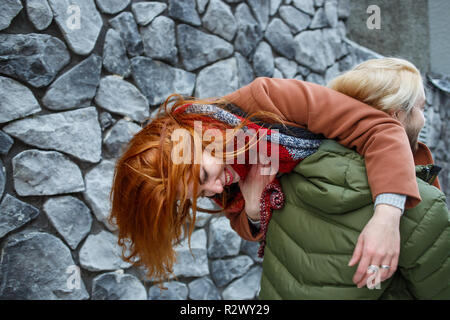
{"x": 152, "y": 194}
{"x": 329, "y": 203}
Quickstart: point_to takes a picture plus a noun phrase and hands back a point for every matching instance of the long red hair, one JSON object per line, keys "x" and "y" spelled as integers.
{"x": 143, "y": 196}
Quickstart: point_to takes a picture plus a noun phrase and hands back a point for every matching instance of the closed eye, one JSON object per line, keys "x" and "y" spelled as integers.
{"x": 202, "y": 180}
{"x": 205, "y": 177}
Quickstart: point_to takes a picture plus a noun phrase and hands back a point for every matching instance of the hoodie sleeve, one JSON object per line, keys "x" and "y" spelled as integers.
{"x": 380, "y": 139}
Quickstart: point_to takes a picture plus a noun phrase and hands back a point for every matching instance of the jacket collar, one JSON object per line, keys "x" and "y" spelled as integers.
{"x": 423, "y": 155}
{"x": 428, "y": 170}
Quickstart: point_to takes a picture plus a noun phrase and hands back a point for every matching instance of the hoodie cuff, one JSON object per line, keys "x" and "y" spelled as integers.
{"x": 255, "y": 223}
{"x": 393, "y": 199}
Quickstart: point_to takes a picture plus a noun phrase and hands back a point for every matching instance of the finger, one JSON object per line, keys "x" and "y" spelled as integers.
{"x": 362, "y": 269}
{"x": 369, "y": 257}
{"x": 371, "y": 278}
{"x": 254, "y": 171}
{"x": 384, "y": 273}
{"x": 357, "y": 252}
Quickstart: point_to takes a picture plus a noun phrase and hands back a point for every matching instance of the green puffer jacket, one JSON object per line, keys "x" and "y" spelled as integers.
{"x": 328, "y": 203}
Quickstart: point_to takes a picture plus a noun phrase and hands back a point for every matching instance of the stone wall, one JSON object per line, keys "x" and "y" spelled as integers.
{"x": 436, "y": 133}
{"x": 404, "y": 19}
{"x": 438, "y": 11}
{"x": 74, "y": 91}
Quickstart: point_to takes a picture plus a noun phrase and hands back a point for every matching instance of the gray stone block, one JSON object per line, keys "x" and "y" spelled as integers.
{"x": 125, "y": 24}
{"x": 39, "y": 13}
{"x": 287, "y": 67}
{"x": 158, "y": 80}
{"x": 220, "y": 20}
{"x": 193, "y": 50}
{"x": 39, "y": 266}
{"x": 306, "y": 6}
{"x": 263, "y": 63}
{"x": 184, "y": 10}
{"x": 261, "y": 9}
{"x": 76, "y": 87}
{"x": 175, "y": 291}
{"x": 70, "y": 217}
{"x": 117, "y": 286}
{"x": 75, "y": 132}
{"x": 159, "y": 40}
{"x": 226, "y": 270}
{"x": 98, "y": 186}
{"x": 17, "y": 100}
{"x": 118, "y": 137}
{"x": 10, "y": 9}
{"x": 15, "y": 214}
{"x": 193, "y": 264}
{"x": 217, "y": 80}
{"x": 203, "y": 289}
{"x": 244, "y": 69}
{"x": 294, "y": 18}
{"x": 223, "y": 240}
{"x": 33, "y": 58}
{"x": 251, "y": 248}
{"x": 79, "y": 22}
{"x": 101, "y": 252}
{"x": 201, "y": 5}
{"x": 274, "y": 6}
{"x": 249, "y": 31}
{"x": 245, "y": 288}
{"x": 39, "y": 173}
{"x": 112, "y": 6}
{"x": 115, "y": 59}
{"x": 280, "y": 37}
{"x": 121, "y": 97}
{"x": 6, "y": 143}
{"x": 145, "y": 12}
{"x": 316, "y": 49}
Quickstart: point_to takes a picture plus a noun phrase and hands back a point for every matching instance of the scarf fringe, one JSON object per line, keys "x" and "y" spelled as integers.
{"x": 272, "y": 197}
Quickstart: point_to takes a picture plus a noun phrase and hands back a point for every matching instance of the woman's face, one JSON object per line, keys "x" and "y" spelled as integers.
{"x": 214, "y": 175}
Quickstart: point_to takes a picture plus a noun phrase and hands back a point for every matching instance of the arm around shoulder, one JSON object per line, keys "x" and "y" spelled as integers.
{"x": 380, "y": 139}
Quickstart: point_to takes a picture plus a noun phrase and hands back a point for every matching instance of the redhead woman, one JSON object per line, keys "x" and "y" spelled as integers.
{"x": 170, "y": 163}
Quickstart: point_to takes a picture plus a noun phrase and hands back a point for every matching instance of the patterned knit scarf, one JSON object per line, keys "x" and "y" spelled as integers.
{"x": 294, "y": 144}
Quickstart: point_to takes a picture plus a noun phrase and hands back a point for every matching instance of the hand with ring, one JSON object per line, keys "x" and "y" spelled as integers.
{"x": 378, "y": 245}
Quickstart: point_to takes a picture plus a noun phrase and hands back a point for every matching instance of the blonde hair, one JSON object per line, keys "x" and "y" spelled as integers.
{"x": 387, "y": 84}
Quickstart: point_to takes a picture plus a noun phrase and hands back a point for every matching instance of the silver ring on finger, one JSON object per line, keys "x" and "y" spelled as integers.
{"x": 373, "y": 268}
{"x": 385, "y": 266}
